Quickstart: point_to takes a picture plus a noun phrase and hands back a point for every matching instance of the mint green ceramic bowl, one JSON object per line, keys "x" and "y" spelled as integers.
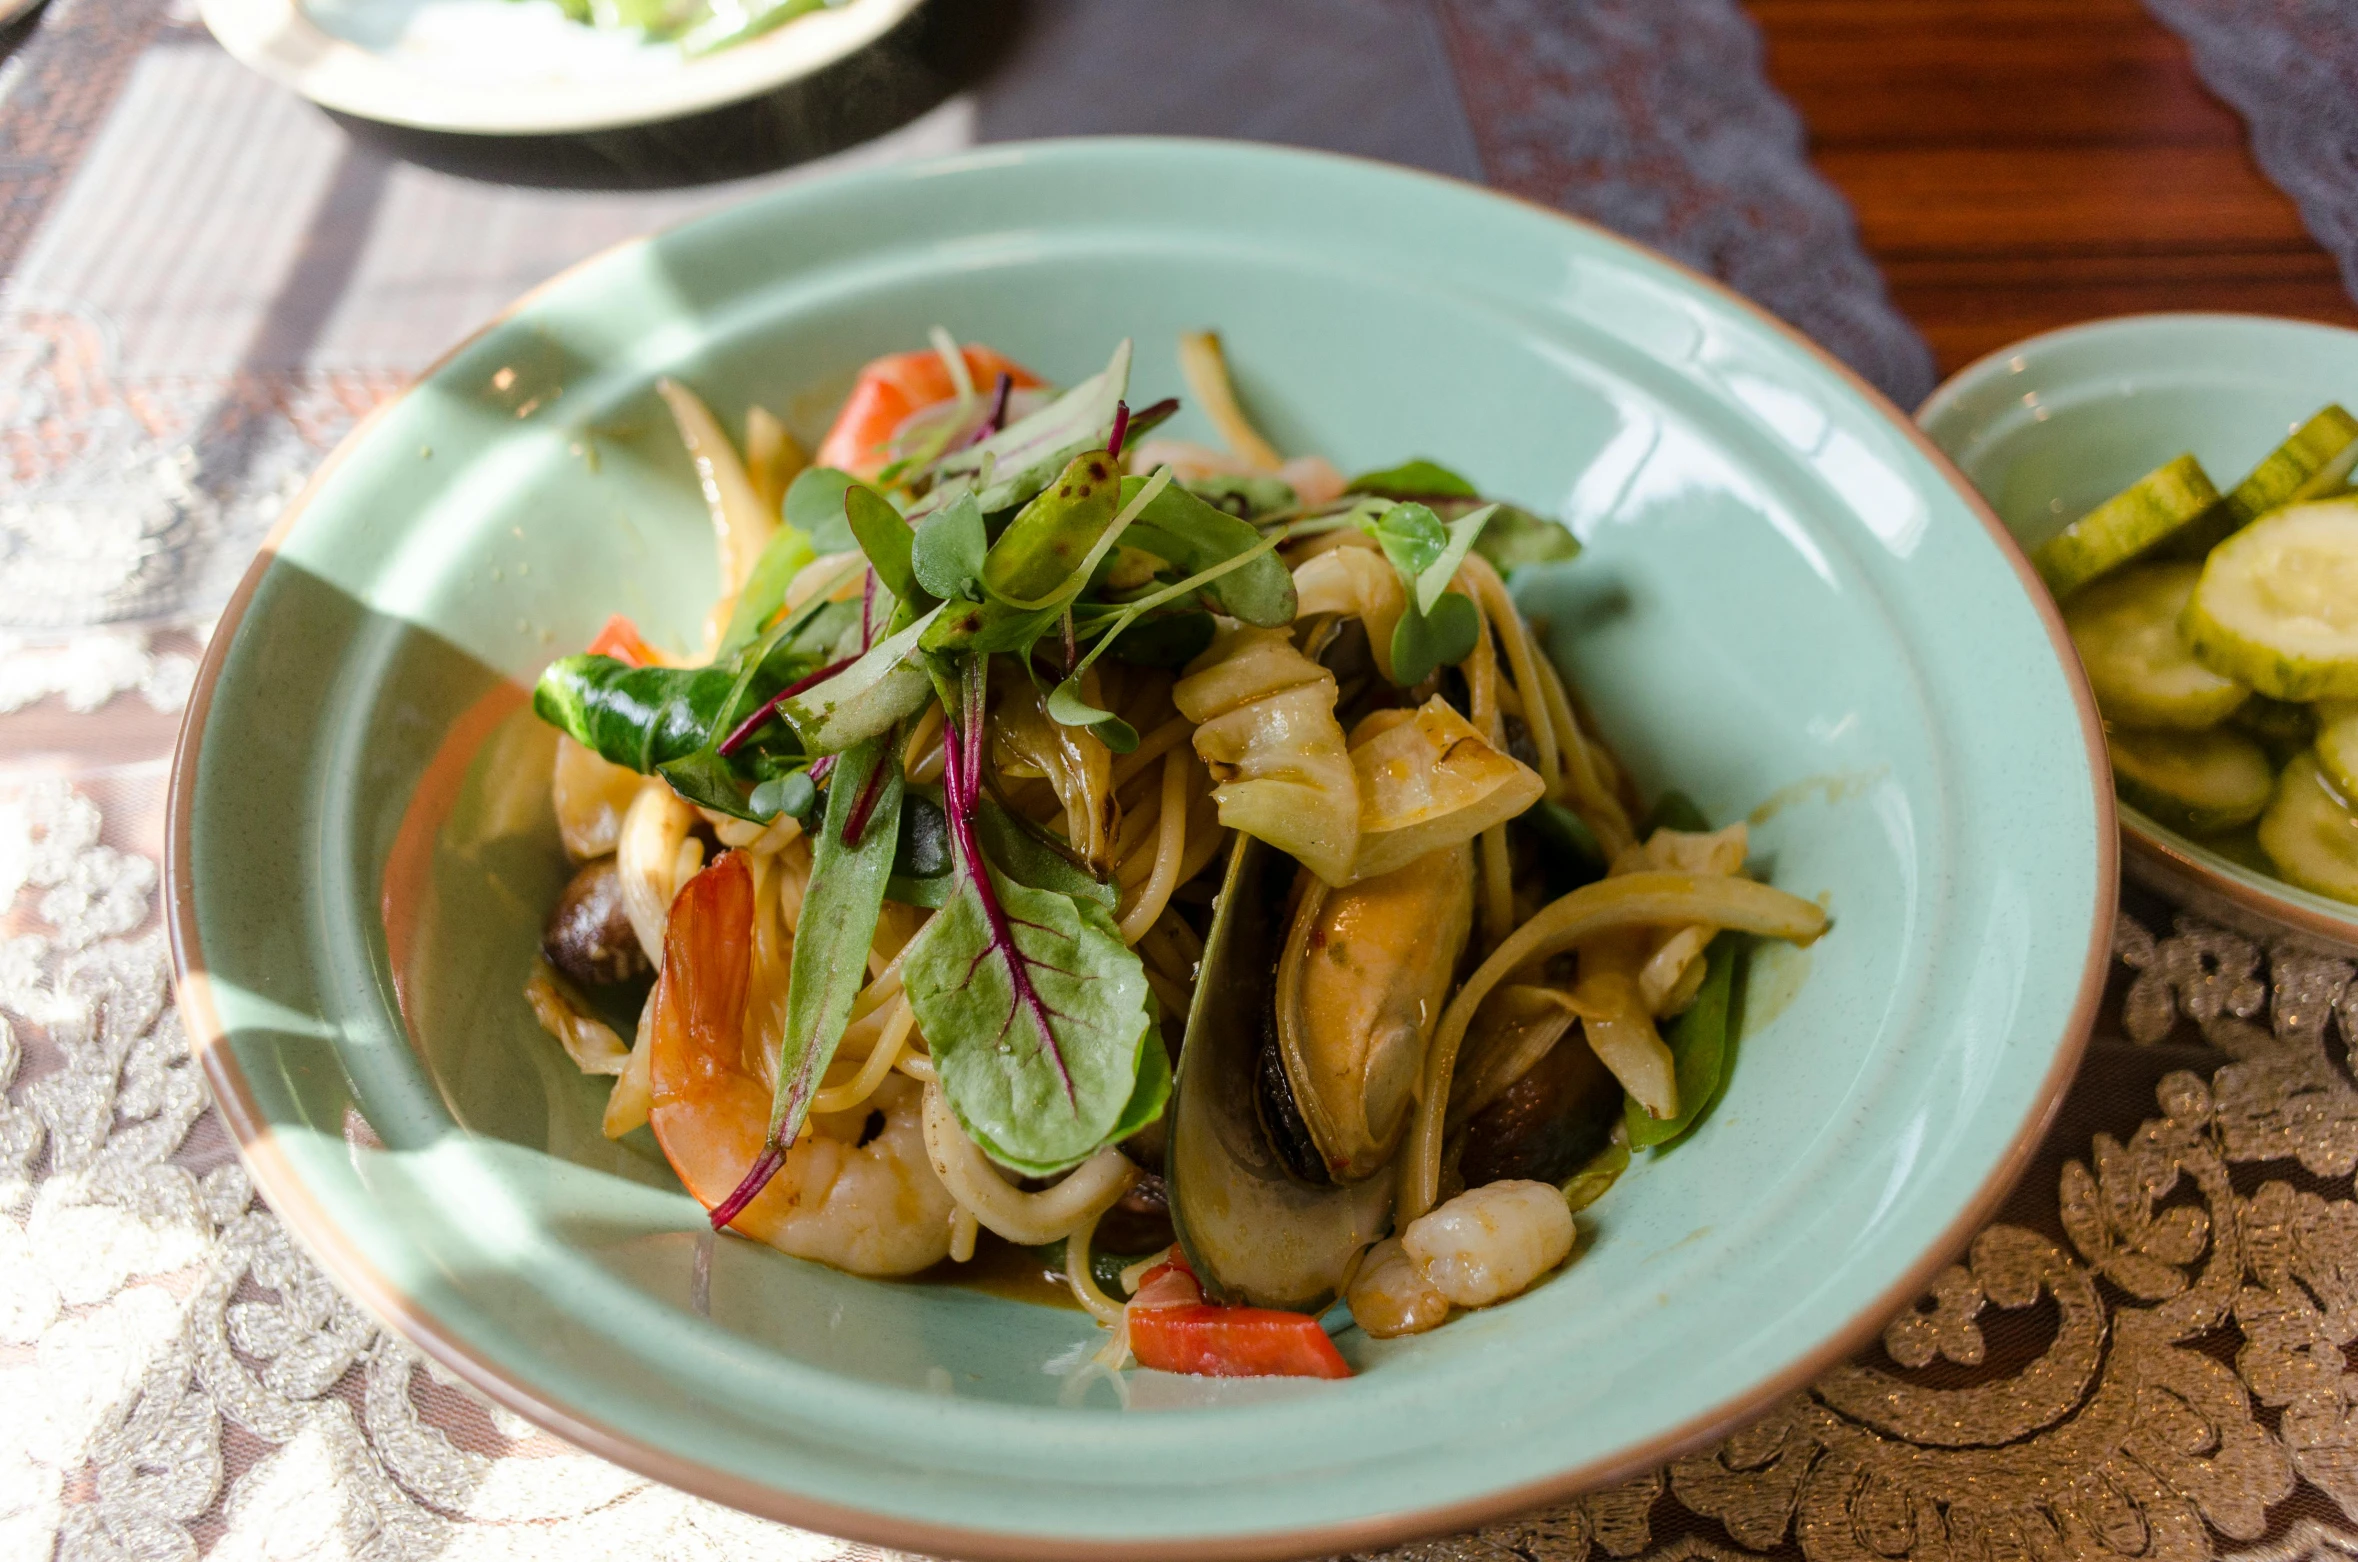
{"x": 2053, "y": 426}
{"x": 1789, "y": 606}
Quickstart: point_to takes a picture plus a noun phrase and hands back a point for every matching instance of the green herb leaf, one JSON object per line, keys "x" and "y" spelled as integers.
{"x": 1066, "y": 704}
{"x": 1589, "y": 1184}
{"x": 989, "y": 626}
{"x": 1421, "y": 642}
{"x": 1246, "y": 497}
{"x": 1515, "y": 537}
{"x": 947, "y": 552}
{"x": 837, "y": 926}
{"x": 1166, "y": 642}
{"x": 1036, "y": 560}
{"x": 1419, "y": 479}
{"x": 814, "y": 506}
{"x": 782, "y": 558}
{"x": 1178, "y": 526}
{"x": 1024, "y": 457}
{"x": 1435, "y": 577}
{"x": 865, "y": 698}
{"x": 996, "y": 1069}
{"x": 1699, "y": 1048}
{"x": 1411, "y": 536}
{"x": 1027, "y": 859}
{"x": 792, "y": 793}
{"x": 884, "y": 537}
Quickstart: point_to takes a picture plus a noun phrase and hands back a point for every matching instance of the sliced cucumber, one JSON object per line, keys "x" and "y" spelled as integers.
{"x": 2277, "y": 722}
{"x": 2315, "y": 462}
{"x": 2198, "y": 782}
{"x": 2126, "y": 629}
{"x": 2310, "y": 833}
{"x": 2277, "y": 607}
{"x": 2139, "y": 517}
{"x": 2337, "y": 744}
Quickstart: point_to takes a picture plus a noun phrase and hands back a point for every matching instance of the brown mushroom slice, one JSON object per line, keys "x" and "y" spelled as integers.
{"x": 589, "y": 935}
{"x": 1429, "y": 781}
{"x": 1547, "y": 1124}
{"x": 1517, "y": 1025}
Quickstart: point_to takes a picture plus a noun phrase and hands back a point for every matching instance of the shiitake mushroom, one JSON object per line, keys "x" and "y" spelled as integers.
{"x": 589, "y": 936}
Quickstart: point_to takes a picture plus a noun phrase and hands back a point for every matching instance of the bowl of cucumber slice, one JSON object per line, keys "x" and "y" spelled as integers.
{"x": 2185, "y": 486}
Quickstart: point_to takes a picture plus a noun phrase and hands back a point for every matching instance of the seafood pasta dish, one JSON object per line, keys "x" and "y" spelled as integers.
{"x": 1183, "y": 865}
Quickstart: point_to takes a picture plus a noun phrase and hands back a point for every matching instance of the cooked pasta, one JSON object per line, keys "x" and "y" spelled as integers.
{"x": 931, "y": 855}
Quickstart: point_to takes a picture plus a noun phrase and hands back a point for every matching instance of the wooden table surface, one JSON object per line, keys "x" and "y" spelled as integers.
{"x": 2018, "y": 165}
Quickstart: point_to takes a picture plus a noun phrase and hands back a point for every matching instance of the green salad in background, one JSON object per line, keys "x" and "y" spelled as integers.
{"x": 2220, "y": 634}
{"x": 697, "y": 26}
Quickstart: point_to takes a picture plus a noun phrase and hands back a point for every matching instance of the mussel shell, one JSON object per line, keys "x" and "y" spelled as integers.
{"x": 1251, "y": 1229}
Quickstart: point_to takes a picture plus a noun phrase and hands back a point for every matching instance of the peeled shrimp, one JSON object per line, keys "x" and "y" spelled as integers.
{"x": 856, "y": 1190}
{"x": 1491, "y": 1242}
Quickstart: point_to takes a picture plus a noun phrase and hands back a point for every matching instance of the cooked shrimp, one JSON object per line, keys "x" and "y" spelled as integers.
{"x": 856, "y": 1190}
{"x": 896, "y": 385}
{"x": 1491, "y": 1242}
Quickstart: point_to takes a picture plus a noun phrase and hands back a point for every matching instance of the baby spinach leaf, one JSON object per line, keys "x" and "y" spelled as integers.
{"x": 814, "y": 506}
{"x": 1036, "y": 1031}
{"x": 947, "y": 551}
{"x": 865, "y": 698}
{"x": 837, "y": 925}
{"x": 1445, "y": 637}
{"x": 1025, "y": 457}
{"x": 884, "y": 537}
{"x": 1178, "y": 526}
{"x": 1418, "y": 479}
{"x": 1515, "y": 537}
{"x": 642, "y": 717}
{"x": 1698, "y": 1047}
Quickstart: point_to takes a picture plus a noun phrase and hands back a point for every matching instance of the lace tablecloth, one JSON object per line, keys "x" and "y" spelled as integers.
{"x": 207, "y": 282}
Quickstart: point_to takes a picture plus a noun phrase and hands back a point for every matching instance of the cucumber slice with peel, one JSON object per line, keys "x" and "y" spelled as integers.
{"x": 2314, "y": 463}
{"x": 2310, "y": 833}
{"x": 2337, "y": 744}
{"x": 2277, "y": 606}
{"x": 2138, "y": 518}
{"x": 2126, "y": 629}
{"x": 2198, "y": 782}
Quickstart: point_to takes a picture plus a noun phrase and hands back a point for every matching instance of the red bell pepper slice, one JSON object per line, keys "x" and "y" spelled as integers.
{"x": 1233, "y": 1342}
{"x": 620, "y": 640}
{"x": 896, "y": 385}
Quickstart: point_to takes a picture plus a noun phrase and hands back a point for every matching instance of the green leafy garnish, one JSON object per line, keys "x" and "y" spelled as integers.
{"x": 1178, "y": 526}
{"x": 782, "y": 558}
{"x": 814, "y": 506}
{"x": 1589, "y": 1184}
{"x": 1036, "y": 1023}
{"x": 1418, "y": 479}
{"x": 1024, "y": 457}
{"x": 867, "y": 697}
{"x": 884, "y": 537}
{"x": 1515, "y": 537}
{"x": 947, "y": 552}
{"x": 1698, "y": 1042}
{"x": 1246, "y": 497}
